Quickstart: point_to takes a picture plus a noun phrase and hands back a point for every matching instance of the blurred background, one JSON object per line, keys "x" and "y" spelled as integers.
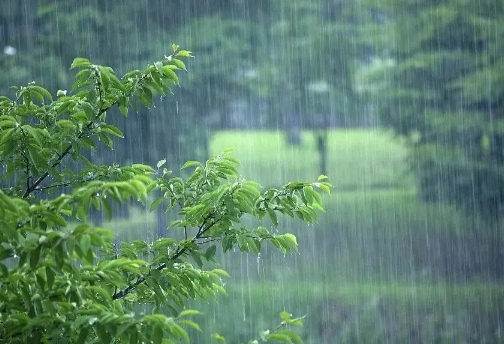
{"x": 400, "y": 102}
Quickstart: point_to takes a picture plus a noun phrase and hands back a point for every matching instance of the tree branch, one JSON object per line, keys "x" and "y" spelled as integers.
{"x": 61, "y": 156}
{"x": 121, "y": 294}
{"x": 67, "y": 183}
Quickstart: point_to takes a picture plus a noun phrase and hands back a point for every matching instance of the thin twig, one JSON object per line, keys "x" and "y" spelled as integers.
{"x": 207, "y": 241}
{"x": 66, "y": 183}
{"x": 62, "y": 155}
{"x": 179, "y": 253}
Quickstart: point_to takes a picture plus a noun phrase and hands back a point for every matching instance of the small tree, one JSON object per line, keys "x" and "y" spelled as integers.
{"x": 64, "y": 280}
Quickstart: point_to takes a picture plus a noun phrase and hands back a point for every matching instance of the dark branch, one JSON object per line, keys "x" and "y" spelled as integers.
{"x": 202, "y": 229}
{"x": 66, "y": 183}
{"x": 208, "y": 240}
{"x": 61, "y": 156}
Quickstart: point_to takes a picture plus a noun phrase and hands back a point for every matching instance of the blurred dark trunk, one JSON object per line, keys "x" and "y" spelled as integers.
{"x": 321, "y": 141}
{"x": 321, "y": 137}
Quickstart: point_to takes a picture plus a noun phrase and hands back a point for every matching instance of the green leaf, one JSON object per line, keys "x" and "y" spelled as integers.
{"x": 190, "y": 164}
{"x": 107, "y": 208}
{"x": 273, "y": 217}
{"x": 184, "y": 53}
{"x": 290, "y": 239}
{"x": 218, "y": 337}
{"x": 105, "y": 75}
{"x": 112, "y": 130}
{"x": 7, "y": 123}
{"x": 220, "y": 272}
{"x": 83, "y": 335}
{"x": 191, "y": 324}
{"x": 210, "y": 252}
{"x": 196, "y": 256}
{"x": 183, "y": 333}
{"x": 35, "y": 257}
{"x": 179, "y": 64}
{"x": 326, "y": 187}
{"x": 285, "y": 315}
{"x": 170, "y": 74}
{"x": 156, "y": 203}
{"x": 189, "y": 312}
{"x": 322, "y": 177}
{"x": 279, "y": 337}
{"x": 8, "y": 202}
{"x": 79, "y": 62}
{"x": 133, "y": 337}
{"x": 85, "y": 243}
{"x": 58, "y": 257}
{"x": 293, "y": 335}
{"x": 50, "y": 277}
{"x": 157, "y": 335}
{"x": 123, "y": 109}
{"x": 160, "y": 163}
{"x": 42, "y": 91}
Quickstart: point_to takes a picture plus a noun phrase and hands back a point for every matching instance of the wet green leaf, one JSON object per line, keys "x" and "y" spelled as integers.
{"x": 79, "y": 62}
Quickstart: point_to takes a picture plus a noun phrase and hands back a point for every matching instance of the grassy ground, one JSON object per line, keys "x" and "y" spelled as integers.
{"x": 357, "y": 158}
{"x": 375, "y": 228}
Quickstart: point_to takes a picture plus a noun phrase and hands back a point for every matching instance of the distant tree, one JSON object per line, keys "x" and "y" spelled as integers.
{"x": 445, "y": 91}
{"x": 130, "y": 35}
{"x": 64, "y": 280}
{"x": 313, "y": 63}
{"x": 44, "y": 36}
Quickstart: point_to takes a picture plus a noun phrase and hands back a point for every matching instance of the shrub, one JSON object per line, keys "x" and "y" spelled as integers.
{"x": 63, "y": 280}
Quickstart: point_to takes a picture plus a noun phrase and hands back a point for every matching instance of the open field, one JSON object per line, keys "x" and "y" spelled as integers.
{"x": 374, "y": 230}
{"x": 356, "y": 158}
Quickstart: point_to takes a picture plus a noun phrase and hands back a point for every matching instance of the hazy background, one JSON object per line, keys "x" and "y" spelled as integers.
{"x": 400, "y": 102}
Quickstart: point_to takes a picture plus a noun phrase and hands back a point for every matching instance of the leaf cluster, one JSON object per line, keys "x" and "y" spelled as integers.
{"x": 65, "y": 280}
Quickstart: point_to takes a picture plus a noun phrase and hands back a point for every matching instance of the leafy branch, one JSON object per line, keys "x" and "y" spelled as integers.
{"x": 179, "y": 252}
{"x": 68, "y": 149}
{"x": 64, "y": 278}
{"x": 70, "y": 122}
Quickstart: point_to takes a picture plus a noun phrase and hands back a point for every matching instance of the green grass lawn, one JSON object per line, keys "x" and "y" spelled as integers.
{"x": 374, "y": 226}
{"x": 372, "y": 192}
{"x": 356, "y": 158}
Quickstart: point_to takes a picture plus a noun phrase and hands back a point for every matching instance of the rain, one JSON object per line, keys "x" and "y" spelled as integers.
{"x": 399, "y": 102}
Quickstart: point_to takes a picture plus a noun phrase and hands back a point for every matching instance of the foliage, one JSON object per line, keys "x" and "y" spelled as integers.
{"x": 315, "y": 61}
{"x": 445, "y": 91}
{"x": 268, "y": 54}
{"x": 65, "y": 280}
{"x": 44, "y": 34}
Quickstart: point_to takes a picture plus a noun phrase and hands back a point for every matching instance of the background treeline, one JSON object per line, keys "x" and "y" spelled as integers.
{"x": 432, "y": 71}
